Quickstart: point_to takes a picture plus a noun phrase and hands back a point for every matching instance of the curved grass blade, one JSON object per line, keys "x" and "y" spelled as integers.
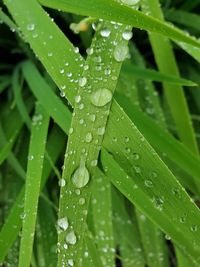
{"x": 120, "y": 13}
{"x": 33, "y": 181}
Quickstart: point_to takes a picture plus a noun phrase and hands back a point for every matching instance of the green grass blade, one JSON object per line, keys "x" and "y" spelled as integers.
{"x": 148, "y": 74}
{"x": 166, "y": 62}
{"x": 155, "y": 202}
{"x": 33, "y": 181}
{"x": 153, "y": 242}
{"x": 18, "y": 97}
{"x": 52, "y": 104}
{"x": 87, "y": 131}
{"x": 127, "y": 233}
{"x": 102, "y": 217}
{"x": 119, "y": 13}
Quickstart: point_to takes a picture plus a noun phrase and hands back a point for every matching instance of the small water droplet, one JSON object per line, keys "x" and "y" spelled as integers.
{"x": 63, "y": 223}
{"x": 101, "y": 131}
{"x": 71, "y": 238}
{"x": 82, "y": 81}
{"x": 194, "y": 228}
{"x": 30, "y": 27}
{"x": 88, "y": 137}
{"x": 105, "y": 33}
{"x": 127, "y": 35}
{"x": 82, "y": 201}
{"x": 101, "y": 97}
{"x": 70, "y": 262}
{"x": 62, "y": 182}
{"x": 90, "y": 51}
{"x": 148, "y": 183}
{"x": 77, "y": 98}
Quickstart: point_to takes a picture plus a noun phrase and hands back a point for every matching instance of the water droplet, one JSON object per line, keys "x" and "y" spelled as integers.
{"x": 76, "y": 50}
{"x": 82, "y": 201}
{"x": 101, "y": 97}
{"x": 94, "y": 163}
{"x": 71, "y": 130}
{"x": 101, "y": 131}
{"x": 81, "y": 176}
{"x": 62, "y": 182}
{"x": 70, "y": 262}
{"x": 88, "y": 137}
{"x": 107, "y": 71}
{"x": 30, "y": 157}
{"x": 90, "y": 51}
{"x": 30, "y": 27}
{"x": 137, "y": 169}
{"x": 50, "y": 54}
{"x": 194, "y": 228}
{"x": 105, "y": 33}
{"x": 71, "y": 238}
{"x": 92, "y": 117}
{"x": 158, "y": 202}
{"x": 148, "y": 183}
{"x": 82, "y": 81}
{"x": 77, "y": 98}
{"x": 63, "y": 223}
{"x": 120, "y": 52}
{"x": 127, "y": 35}
{"x": 130, "y": 2}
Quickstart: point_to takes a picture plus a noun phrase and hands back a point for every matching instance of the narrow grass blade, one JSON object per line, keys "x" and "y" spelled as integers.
{"x": 153, "y": 242}
{"x": 33, "y": 181}
{"x": 102, "y": 217}
{"x": 47, "y": 233}
{"x": 127, "y": 236}
{"x": 148, "y": 74}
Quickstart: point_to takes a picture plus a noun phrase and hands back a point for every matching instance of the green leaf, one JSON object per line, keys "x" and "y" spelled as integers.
{"x": 120, "y": 13}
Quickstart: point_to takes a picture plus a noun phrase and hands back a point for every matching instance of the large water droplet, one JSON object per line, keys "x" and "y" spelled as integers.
{"x": 63, "y": 223}
{"x": 101, "y": 97}
{"x": 121, "y": 52}
{"x": 81, "y": 176}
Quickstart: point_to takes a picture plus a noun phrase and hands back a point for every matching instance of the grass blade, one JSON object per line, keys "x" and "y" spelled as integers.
{"x": 33, "y": 180}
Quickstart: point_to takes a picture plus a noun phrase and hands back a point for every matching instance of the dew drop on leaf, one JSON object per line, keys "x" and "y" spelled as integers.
{"x": 127, "y": 35}
{"x": 63, "y": 223}
{"x": 30, "y": 27}
{"x": 82, "y": 81}
{"x": 105, "y": 33}
{"x": 121, "y": 52}
{"x": 88, "y": 138}
{"x": 71, "y": 238}
{"x": 81, "y": 176}
{"x": 101, "y": 97}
